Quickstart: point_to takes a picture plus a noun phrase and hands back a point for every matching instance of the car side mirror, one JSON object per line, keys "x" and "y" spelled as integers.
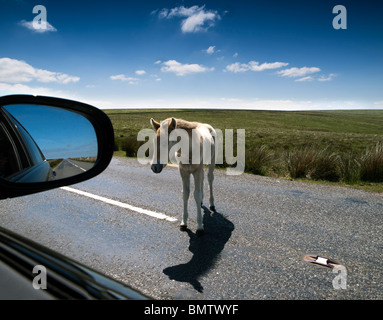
{"x": 48, "y": 142}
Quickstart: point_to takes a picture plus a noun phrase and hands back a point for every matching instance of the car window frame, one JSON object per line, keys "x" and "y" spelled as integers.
{"x": 23, "y": 136}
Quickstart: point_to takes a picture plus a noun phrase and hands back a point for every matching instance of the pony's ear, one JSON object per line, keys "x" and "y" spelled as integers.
{"x": 154, "y": 124}
{"x": 172, "y": 124}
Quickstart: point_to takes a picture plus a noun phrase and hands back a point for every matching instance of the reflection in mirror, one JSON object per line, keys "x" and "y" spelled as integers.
{"x": 43, "y": 143}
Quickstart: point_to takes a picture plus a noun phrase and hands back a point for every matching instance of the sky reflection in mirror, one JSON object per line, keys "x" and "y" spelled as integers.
{"x": 59, "y": 133}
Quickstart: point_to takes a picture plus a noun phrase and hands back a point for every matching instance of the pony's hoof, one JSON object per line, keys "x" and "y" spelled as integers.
{"x": 183, "y": 228}
{"x": 212, "y": 208}
{"x": 200, "y": 232}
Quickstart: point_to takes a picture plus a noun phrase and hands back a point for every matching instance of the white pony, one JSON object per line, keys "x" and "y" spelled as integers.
{"x": 191, "y": 158}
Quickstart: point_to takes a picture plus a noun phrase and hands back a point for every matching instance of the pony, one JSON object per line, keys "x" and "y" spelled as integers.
{"x": 194, "y": 148}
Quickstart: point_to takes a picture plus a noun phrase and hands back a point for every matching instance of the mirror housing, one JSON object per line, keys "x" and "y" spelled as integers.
{"x": 103, "y": 130}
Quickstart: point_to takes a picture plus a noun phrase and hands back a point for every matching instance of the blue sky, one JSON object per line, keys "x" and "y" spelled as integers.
{"x": 282, "y": 55}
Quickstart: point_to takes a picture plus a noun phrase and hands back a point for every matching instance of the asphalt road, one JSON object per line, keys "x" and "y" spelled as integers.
{"x": 253, "y": 247}
{"x": 70, "y": 168}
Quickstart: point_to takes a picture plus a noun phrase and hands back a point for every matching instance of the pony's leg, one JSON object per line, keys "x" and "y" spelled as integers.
{"x": 198, "y": 180}
{"x": 185, "y": 193}
{"x": 202, "y": 185}
{"x": 210, "y": 177}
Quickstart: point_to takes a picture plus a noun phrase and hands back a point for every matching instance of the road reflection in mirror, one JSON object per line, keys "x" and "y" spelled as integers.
{"x": 43, "y": 143}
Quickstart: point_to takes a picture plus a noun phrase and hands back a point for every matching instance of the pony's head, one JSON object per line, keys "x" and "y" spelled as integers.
{"x": 161, "y": 143}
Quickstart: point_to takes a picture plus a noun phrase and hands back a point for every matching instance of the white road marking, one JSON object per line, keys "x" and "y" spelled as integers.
{"x": 153, "y": 214}
{"x": 73, "y": 164}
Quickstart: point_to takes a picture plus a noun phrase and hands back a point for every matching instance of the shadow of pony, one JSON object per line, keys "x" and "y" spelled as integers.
{"x": 206, "y": 249}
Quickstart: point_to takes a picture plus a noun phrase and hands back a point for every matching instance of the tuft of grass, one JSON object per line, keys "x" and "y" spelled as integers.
{"x": 326, "y": 166}
{"x": 349, "y": 165}
{"x": 259, "y": 160}
{"x": 313, "y": 164}
{"x": 299, "y": 162}
{"x": 371, "y": 167}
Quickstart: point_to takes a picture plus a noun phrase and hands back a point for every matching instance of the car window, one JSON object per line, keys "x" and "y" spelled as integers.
{"x": 34, "y": 151}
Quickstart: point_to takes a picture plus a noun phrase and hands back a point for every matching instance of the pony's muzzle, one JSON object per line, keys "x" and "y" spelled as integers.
{"x": 157, "y": 168}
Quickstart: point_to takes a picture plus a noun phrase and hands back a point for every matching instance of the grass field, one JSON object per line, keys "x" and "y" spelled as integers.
{"x": 342, "y": 147}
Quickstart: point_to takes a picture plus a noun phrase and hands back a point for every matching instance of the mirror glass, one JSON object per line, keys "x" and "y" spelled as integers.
{"x": 43, "y": 143}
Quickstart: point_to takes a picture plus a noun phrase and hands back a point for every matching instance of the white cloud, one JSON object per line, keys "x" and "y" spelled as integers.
{"x": 210, "y": 50}
{"x": 237, "y": 67}
{"x": 298, "y": 72}
{"x": 157, "y": 78}
{"x": 140, "y": 72}
{"x": 16, "y": 71}
{"x": 163, "y": 13}
{"x": 235, "y": 55}
{"x": 197, "y": 21}
{"x": 183, "y": 12}
{"x": 328, "y": 78}
{"x": 254, "y": 66}
{"x": 18, "y": 88}
{"x": 196, "y": 18}
{"x": 182, "y": 69}
{"x": 305, "y": 79}
{"x": 122, "y": 77}
{"x": 29, "y": 25}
